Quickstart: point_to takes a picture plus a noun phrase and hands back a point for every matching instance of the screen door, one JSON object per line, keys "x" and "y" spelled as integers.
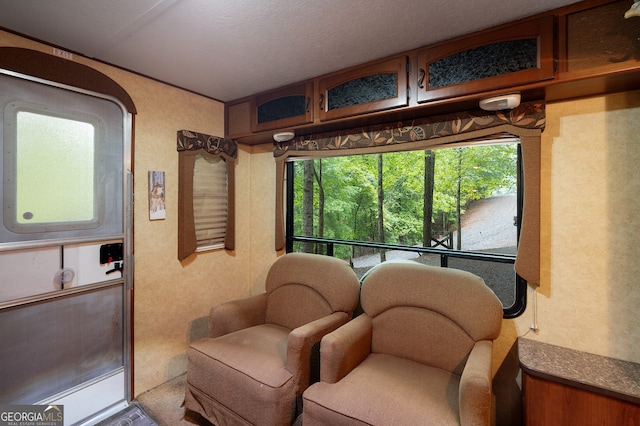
{"x": 64, "y": 310}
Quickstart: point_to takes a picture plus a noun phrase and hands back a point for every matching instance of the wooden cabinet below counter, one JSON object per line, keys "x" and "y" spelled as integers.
{"x": 550, "y": 403}
{"x": 562, "y": 386}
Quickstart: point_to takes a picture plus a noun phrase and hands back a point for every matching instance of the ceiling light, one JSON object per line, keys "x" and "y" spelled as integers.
{"x": 283, "y": 136}
{"x": 496, "y": 103}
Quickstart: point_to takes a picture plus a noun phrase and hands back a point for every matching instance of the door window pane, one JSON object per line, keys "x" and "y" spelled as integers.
{"x": 55, "y": 169}
{"x": 61, "y": 165}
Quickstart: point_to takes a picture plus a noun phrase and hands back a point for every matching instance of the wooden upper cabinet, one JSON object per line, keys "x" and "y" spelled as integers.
{"x": 374, "y": 87}
{"x": 237, "y": 119}
{"x": 281, "y": 108}
{"x": 503, "y": 57}
{"x": 598, "y": 40}
{"x": 581, "y": 49}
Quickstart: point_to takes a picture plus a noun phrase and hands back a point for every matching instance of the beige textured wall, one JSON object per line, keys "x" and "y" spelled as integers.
{"x": 590, "y": 244}
{"x": 172, "y": 299}
{"x": 588, "y": 296}
{"x": 262, "y": 188}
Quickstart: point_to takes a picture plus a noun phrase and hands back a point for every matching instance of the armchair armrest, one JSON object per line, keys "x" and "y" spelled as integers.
{"x": 302, "y": 341}
{"x": 475, "y": 386}
{"x": 342, "y": 350}
{"x": 237, "y": 314}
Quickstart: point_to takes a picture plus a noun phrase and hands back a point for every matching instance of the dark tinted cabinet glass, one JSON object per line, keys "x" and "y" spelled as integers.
{"x": 286, "y": 107}
{"x": 505, "y": 57}
{"x": 362, "y": 90}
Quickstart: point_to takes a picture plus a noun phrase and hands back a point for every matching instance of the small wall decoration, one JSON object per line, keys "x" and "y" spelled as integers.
{"x": 156, "y": 196}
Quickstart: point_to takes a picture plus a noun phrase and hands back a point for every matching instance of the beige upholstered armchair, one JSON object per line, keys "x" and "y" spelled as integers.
{"x": 420, "y": 354}
{"x": 257, "y": 360}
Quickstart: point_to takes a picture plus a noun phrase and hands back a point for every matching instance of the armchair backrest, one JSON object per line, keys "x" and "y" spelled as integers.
{"x": 429, "y": 314}
{"x": 303, "y": 287}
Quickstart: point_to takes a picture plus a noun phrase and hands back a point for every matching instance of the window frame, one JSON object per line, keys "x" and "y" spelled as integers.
{"x": 190, "y": 145}
{"x": 520, "y": 284}
{"x": 526, "y": 122}
{"x": 111, "y": 122}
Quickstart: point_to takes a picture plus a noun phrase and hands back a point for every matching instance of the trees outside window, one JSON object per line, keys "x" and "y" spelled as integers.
{"x": 462, "y": 199}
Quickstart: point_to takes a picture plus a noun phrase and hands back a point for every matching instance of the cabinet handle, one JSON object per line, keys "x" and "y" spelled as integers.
{"x": 421, "y": 76}
{"x": 307, "y": 104}
{"x": 321, "y": 102}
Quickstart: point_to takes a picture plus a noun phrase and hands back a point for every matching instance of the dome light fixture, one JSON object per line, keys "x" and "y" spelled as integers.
{"x": 497, "y": 103}
{"x": 283, "y": 136}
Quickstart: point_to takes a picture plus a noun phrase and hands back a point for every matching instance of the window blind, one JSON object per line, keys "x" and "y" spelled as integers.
{"x": 210, "y": 200}
{"x": 190, "y": 146}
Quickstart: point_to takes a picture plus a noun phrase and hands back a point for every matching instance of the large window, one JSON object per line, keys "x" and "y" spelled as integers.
{"x": 456, "y": 207}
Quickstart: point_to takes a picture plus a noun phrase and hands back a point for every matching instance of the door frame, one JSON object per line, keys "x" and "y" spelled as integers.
{"x": 100, "y": 81}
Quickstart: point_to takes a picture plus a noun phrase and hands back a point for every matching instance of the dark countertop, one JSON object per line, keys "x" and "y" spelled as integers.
{"x": 596, "y": 373}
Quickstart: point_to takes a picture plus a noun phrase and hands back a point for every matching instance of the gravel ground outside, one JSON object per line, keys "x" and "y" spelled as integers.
{"x": 486, "y": 226}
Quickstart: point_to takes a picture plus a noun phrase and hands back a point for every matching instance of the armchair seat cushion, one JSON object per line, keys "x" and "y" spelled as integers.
{"x": 374, "y": 391}
{"x": 247, "y": 368}
{"x": 262, "y": 350}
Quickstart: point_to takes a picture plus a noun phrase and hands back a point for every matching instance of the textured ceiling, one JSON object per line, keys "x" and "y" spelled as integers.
{"x": 227, "y": 49}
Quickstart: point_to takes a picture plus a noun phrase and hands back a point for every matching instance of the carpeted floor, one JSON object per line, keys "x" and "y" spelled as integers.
{"x": 164, "y": 405}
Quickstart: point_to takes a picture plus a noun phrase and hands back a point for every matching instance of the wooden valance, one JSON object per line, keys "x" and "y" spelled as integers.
{"x": 386, "y": 137}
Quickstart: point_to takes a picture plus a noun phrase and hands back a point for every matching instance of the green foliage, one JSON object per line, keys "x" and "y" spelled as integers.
{"x": 350, "y": 186}
{"x": 482, "y": 171}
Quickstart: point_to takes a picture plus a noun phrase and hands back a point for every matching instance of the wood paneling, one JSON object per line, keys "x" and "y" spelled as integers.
{"x": 550, "y": 403}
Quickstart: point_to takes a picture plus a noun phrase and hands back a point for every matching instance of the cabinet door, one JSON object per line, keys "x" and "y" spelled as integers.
{"x": 237, "y": 119}
{"x": 374, "y": 87}
{"x": 282, "y": 108}
{"x": 501, "y": 58}
{"x": 598, "y": 39}
{"x": 547, "y": 402}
